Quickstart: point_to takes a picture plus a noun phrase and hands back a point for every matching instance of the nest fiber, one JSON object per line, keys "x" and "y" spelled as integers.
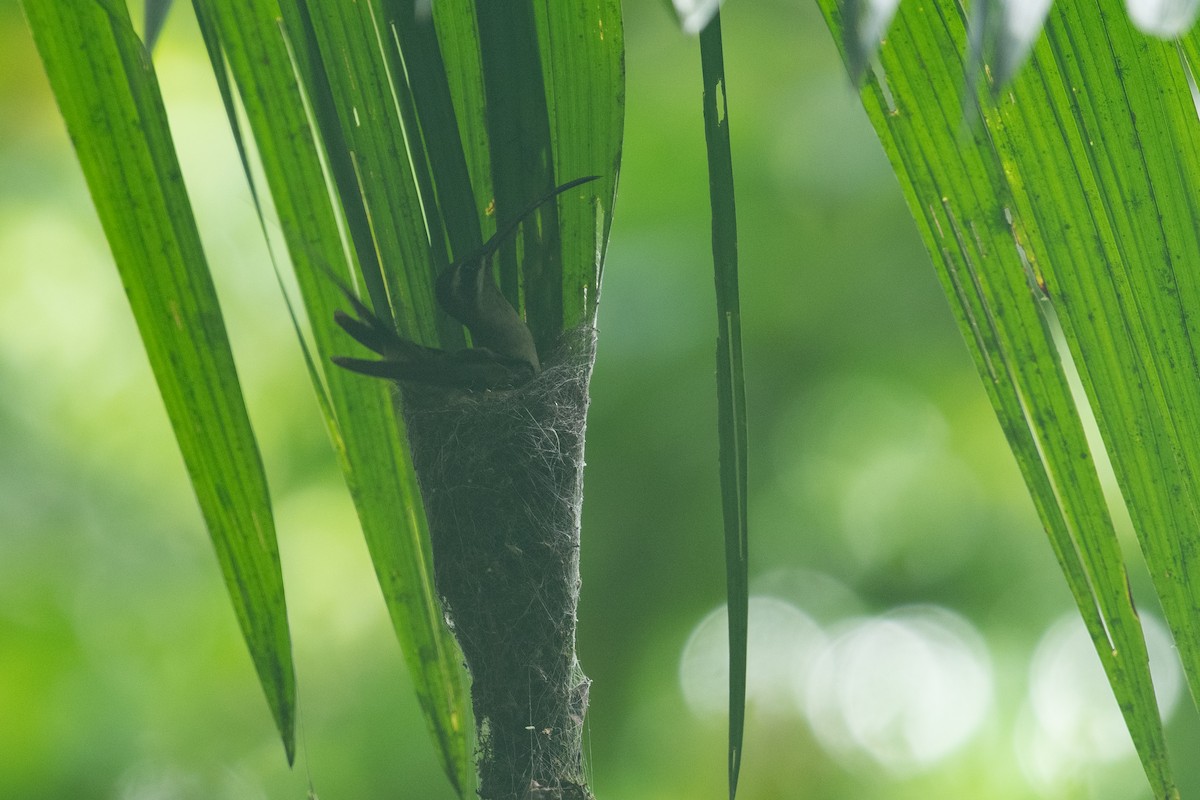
{"x": 501, "y": 476}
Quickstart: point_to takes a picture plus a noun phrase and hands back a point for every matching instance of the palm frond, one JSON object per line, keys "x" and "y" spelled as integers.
{"x": 1067, "y": 200}
{"x": 109, "y": 98}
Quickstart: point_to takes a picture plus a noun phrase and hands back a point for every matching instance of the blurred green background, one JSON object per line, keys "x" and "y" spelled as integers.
{"x": 911, "y": 635}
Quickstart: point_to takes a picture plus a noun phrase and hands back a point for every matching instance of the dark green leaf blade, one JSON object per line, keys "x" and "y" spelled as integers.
{"x": 109, "y": 97}
{"x": 522, "y": 162}
{"x": 582, "y": 77}
{"x": 458, "y": 37}
{"x": 441, "y": 135}
{"x": 361, "y": 92}
{"x": 731, "y": 390}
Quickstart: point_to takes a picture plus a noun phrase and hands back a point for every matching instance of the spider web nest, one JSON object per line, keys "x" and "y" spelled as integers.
{"x": 501, "y": 476}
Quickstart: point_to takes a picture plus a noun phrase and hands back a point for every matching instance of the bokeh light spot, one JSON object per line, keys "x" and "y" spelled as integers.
{"x": 783, "y": 643}
{"x": 1071, "y": 718}
{"x": 906, "y": 689}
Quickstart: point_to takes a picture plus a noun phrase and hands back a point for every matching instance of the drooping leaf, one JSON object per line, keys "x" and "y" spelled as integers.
{"x": 458, "y": 35}
{"x": 1070, "y": 201}
{"x": 109, "y": 98}
{"x": 731, "y": 391}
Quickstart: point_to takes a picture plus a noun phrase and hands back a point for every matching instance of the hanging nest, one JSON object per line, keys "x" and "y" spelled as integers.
{"x": 501, "y": 475}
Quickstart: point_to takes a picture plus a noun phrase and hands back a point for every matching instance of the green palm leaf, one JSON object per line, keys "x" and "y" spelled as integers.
{"x": 109, "y": 98}
{"x": 370, "y": 120}
{"x": 1070, "y": 200}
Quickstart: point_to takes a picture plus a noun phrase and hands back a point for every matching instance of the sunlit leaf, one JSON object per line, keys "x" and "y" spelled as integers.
{"x": 365, "y": 430}
{"x": 109, "y": 98}
{"x": 1069, "y": 202}
{"x": 1165, "y": 18}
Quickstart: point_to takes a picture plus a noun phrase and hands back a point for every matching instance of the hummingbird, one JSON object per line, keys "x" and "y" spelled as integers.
{"x": 503, "y": 354}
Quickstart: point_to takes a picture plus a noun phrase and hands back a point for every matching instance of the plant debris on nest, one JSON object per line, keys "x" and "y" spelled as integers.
{"x": 501, "y": 475}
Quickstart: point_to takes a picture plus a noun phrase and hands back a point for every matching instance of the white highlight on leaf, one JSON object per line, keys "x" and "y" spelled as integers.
{"x": 1164, "y": 18}
{"x": 695, "y": 14}
{"x": 1004, "y": 32}
{"x": 1024, "y": 19}
{"x": 876, "y": 16}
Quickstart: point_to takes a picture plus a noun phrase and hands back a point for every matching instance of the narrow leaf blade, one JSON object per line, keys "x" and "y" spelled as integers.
{"x": 731, "y": 391}
{"x": 522, "y": 162}
{"x": 109, "y": 97}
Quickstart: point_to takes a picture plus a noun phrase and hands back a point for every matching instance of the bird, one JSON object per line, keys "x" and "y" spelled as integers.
{"x": 503, "y": 354}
